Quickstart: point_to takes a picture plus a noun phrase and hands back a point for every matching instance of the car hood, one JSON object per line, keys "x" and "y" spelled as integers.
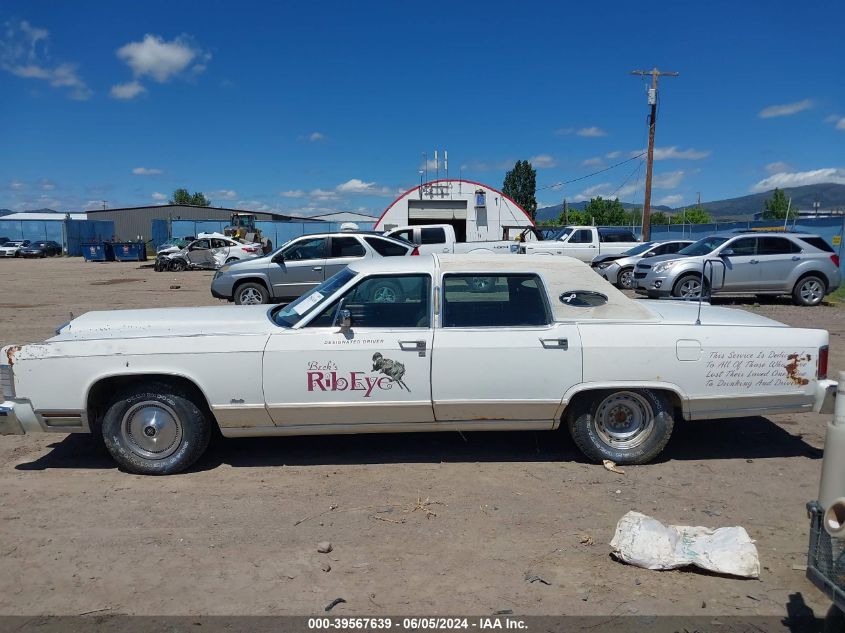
{"x": 168, "y": 322}
{"x": 686, "y": 312}
{"x": 598, "y": 259}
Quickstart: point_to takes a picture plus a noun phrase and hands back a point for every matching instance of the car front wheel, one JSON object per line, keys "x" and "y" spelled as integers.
{"x": 809, "y": 291}
{"x": 625, "y": 280}
{"x": 689, "y": 287}
{"x": 155, "y": 429}
{"x": 626, "y": 426}
{"x": 250, "y": 294}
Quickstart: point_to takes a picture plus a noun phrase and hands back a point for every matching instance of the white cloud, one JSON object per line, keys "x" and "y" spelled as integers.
{"x": 354, "y": 185}
{"x": 253, "y": 205}
{"x": 159, "y": 197}
{"x": 799, "y": 178}
{"x": 16, "y": 185}
{"x": 615, "y": 154}
{"x": 607, "y": 190}
{"x": 480, "y": 165}
{"x": 224, "y": 194}
{"x": 840, "y": 124}
{"x": 584, "y": 131}
{"x": 162, "y": 60}
{"x": 292, "y": 193}
{"x": 129, "y": 90}
{"x": 322, "y": 194}
{"x": 664, "y": 153}
{"x": 668, "y": 180}
{"x": 23, "y": 53}
{"x": 47, "y": 184}
{"x": 777, "y": 167}
{"x": 146, "y": 171}
{"x": 785, "y": 109}
{"x": 592, "y": 162}
{"x": 542, "y": 161}
{"x": 317, "y": 136}
{"x": 671, "y": 201}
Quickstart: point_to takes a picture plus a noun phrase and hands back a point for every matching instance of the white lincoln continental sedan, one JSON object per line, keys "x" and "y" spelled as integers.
{"x": 413, "y": 344}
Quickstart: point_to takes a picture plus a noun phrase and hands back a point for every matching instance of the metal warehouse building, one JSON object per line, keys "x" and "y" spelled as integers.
{"x": 131, "y": 222}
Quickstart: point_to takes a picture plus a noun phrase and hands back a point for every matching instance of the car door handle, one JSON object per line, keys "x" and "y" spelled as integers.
{"x": 555, "y": 343}
{"x": 413, "y": 346}
{"x": 317, "y": 268}
{"x": 753, "y": 261}
{"x": 795, "y": 258}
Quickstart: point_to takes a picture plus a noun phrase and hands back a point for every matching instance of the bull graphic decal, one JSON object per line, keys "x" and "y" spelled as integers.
{"x": 393, "y": 369}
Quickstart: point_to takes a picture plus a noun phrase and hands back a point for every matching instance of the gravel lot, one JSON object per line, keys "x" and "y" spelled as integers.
{"x": 420, "y": 524}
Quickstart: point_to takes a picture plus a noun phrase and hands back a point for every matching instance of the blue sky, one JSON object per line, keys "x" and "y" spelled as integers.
{"x": 314, "y": 107}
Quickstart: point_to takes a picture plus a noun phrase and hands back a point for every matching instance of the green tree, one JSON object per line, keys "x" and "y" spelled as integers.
{"x": 606, "y": 212}
{"x": 658, "y": 218}
{"x": 198, "y": 199}
{"x": 692, "y": 215}
{"x": 521, "y": 185}
{"x": 777, "y": 207}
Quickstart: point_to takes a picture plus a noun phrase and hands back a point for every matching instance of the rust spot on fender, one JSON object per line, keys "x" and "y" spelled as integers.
{"x": 10, "y": 353}
{"x": 796, "y": 362}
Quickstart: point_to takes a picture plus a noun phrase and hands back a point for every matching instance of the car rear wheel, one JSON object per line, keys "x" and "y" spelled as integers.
{"x": 250, "y": 294}
{"x": 155, "y": 429}
{"x": 625, "y": 279}
{"x": 626, "y": 426}
{"x": 689, "y": 287}
{"x": 809, "y": 291}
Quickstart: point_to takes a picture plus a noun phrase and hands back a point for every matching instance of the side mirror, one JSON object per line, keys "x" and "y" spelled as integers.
{"x": 648, "y": 255}
{"x": 344, "y": 320}
{"x": 279, "y": 258}
{"x": 727, "y": 252}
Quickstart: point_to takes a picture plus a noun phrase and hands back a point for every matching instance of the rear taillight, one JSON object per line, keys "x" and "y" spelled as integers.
{"x": 416, "y": 251}
{"x": 835, "y": 260}
{"x": 250, "y": 249}
{"x": 822, "y": 372}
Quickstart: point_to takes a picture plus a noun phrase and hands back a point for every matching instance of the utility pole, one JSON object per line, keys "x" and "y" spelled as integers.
{"x": 652, "y": 101}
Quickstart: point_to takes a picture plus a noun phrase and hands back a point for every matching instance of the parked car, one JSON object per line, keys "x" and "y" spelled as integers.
{"x": 441, "y": 238}
{"x": 207, "y": 253}
{"x": 772, "y": 263}
{"x": 12, "y": 248}
{"x": 583, "y": 242}
{"x": 554, "y": 345}
{"x": 619, "y": 269}
{"x": 299, "y": 265}
{"x": 41, "y": 248}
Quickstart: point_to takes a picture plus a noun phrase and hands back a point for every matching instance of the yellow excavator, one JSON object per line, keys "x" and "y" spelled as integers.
{"x": 242, "y": 227}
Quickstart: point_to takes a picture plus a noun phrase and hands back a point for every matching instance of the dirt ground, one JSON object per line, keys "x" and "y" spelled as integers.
{"x": 419, "y": 524}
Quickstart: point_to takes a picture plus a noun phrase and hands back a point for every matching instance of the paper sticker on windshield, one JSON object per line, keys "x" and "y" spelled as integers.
{"x": 307, "y": 303}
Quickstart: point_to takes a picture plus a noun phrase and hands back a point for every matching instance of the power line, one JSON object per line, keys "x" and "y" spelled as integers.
{"x": 567, "y": 182}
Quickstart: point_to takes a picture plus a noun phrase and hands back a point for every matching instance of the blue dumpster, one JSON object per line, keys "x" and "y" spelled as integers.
{"x": 129, "y": 251}
{"x": 97, "y": 252}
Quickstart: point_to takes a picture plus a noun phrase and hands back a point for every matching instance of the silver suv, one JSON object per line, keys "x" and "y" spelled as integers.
{"x": 619, "y": 269}
{"x": 798, "y": 264}
{"x": 295, "y": 268}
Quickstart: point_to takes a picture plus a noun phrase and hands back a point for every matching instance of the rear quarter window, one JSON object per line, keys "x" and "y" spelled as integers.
{"x": 818, "y": 242}
{"x": 386, "y": 248}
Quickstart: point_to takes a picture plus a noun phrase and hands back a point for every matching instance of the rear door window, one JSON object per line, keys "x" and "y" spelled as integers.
{"x": 776, "y": 246}
{"x": 347, "y": 247}
{"x": 433, "y": 235}
{"x": 495, "y": 300}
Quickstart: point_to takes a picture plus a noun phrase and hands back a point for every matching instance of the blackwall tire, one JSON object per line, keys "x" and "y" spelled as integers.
{"x": 627, "y": 426}
{"x": 155, "y": 429}
{"x": 625, "y": 278}
{"x": 809, "y": 291}
{"x": 251, "y": 293}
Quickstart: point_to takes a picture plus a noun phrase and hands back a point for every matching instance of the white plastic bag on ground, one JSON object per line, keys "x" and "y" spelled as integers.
{"x": 645, "y": 542}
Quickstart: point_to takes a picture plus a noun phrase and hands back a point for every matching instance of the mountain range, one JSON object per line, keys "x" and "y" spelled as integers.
{"x": 830, "y": 196}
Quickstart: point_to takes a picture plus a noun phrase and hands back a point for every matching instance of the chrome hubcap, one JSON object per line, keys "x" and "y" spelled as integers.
{"x": 152, "y": 430}
{"x": 690, "y": 288}
{"x": 624, "y": 420}
{"x": 384, "y": 294}
{"x": 251, "y": 296}
{"x": 811, "y": 291}
{"x": 625, "y": 278}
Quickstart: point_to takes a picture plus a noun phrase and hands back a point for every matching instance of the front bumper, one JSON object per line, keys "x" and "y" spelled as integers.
{"x": 17, "y": 417}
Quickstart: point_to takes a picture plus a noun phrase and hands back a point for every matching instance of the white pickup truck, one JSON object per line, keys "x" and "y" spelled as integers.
{"x": 583, "y": 242}
{"x": 441, "y": 238}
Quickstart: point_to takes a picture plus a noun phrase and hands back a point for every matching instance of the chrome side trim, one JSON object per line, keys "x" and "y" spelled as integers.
{"x": 63, "y": 420}
{"x": 390, "y": 427}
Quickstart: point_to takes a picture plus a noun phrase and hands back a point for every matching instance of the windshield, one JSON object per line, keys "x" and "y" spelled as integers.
{"x": 704, "y": 246}
{"x": 293, "y": 313}
{"x": 640, "y": 248}
{"x": 561, "y": 234}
